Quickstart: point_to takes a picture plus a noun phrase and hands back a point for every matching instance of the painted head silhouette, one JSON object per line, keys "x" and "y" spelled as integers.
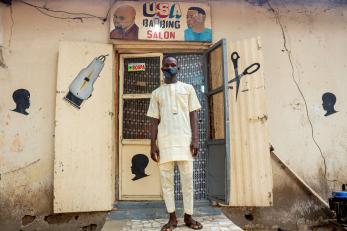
{"x": 22, "y": 99}
{"x": 329, "y": 100}
{"x": 139, "y": 163}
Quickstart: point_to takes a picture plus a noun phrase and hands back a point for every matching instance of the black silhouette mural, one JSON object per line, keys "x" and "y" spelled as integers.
{"x": 22, "y": 99}
{"x": 329, "y": 100}
{"x": 139, "y": 163}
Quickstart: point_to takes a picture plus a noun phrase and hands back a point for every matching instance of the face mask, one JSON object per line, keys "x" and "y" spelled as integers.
{"x": 170, "y": 72}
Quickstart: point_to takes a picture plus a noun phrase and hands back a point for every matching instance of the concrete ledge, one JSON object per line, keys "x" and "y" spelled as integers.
{"x": 156, "y": 209}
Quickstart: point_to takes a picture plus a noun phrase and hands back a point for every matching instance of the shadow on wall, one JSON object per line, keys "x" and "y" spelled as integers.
{"x": 294, "y": 207}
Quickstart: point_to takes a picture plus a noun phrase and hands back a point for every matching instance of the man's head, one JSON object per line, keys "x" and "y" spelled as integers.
{"x": 169, "y": 67}
{"x": 124, "y": 17}
{"x": 329, "y": 100}
{"x": 139, "y": 164}
{"x": 195, "y": 17}
{"x": 22, "y": 98}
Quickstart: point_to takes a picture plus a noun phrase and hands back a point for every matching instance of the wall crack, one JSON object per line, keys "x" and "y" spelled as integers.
{"x": 289, "y": 55}
{"x": 62, "y": 14}
{"x": 17, "y": 169}
{"x": 12, "y": 25}
{"x": 2, "y": 60}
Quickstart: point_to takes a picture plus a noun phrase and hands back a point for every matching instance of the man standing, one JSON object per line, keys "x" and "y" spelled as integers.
{"x": 196, "y": 30}
{"x": 124, "y": 22}
{"x": 173, "y": 110}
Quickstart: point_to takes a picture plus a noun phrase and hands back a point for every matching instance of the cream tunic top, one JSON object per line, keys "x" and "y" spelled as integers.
{"x": 171, "y": 104}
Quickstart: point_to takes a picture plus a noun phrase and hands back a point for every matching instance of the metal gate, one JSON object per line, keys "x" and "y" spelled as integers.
{"x": 192, "y": 72}
{"x": 139, "y": 76}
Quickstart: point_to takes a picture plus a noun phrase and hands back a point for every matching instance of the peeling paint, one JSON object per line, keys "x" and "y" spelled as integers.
{"x": 91, "y": 227}
{"x": 27, "y": 219}
{"x": 296, "y": 105}
{"x": 58, "y": 218}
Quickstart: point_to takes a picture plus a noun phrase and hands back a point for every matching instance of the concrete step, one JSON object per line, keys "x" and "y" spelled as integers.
{"x": 210, "y": 223}
{"x": 141, "y": 210}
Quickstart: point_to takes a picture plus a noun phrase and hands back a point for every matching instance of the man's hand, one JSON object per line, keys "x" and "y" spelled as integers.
{"x": 194, "y": 147}
{"x": 195, "y": 134}
{"x": 155, "y": 153}
{"x": 154, "y": 132}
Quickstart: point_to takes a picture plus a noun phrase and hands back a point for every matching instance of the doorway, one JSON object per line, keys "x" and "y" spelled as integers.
{"x": 139, "y": 75}
{"x": 191, "y": 72}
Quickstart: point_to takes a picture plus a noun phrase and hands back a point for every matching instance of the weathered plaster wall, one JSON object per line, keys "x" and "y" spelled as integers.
{"x": 294, "y": 207}
{"x": 30, "y": 49}
{"x": 314, "y": 34}
{"x": 2, "y": 64}
{"x": 304, "y": 57}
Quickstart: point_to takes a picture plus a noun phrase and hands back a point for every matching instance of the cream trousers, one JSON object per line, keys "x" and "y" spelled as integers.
{"x": 167, "y": 184}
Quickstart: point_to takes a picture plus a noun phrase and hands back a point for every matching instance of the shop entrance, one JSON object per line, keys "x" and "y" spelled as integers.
{"x": 237, "y": 166}
{"x": 139, "y": 75}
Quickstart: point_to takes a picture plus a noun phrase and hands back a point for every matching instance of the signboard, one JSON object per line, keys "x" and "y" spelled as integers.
{"x": 136, "y": 67}
{"x": 165, "y": 21}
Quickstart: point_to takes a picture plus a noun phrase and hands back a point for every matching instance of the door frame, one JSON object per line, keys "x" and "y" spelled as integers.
{"x": 223, "y": 88}
{"x": 131, "y": 48}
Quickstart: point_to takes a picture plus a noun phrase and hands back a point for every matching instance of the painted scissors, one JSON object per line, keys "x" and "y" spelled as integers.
{"x": 249, "y": 70}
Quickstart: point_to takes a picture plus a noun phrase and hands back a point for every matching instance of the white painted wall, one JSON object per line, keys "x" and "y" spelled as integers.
{"x": 315, "y": 35}
{"x": 31, "y": 54}
{"x": 1, "y": 28}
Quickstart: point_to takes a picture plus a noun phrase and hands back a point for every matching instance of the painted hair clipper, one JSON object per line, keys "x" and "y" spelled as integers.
{"x": 81, "y": 87}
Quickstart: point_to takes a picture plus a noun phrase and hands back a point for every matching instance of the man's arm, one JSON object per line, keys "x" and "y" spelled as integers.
{"x": 195, "y": 134}
{"x": 154, "y": 132}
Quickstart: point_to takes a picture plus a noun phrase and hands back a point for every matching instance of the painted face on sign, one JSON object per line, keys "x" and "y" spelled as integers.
{"x": 194, "y": 18}
{"x": 124, "y": 17}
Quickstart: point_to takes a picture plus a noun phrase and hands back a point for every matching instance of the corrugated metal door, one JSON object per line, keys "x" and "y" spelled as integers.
{"x": 239, "y": 168}
{"x": 250, "y": 167}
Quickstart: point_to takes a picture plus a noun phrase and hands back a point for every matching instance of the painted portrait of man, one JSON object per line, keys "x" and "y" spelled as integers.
{"x": 124, "y": 23}
{"x": 196, "y": 30}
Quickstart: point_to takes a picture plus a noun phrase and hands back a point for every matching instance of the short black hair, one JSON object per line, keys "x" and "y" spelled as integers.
{"x": 328, "y": 96}
{"x": 20, "y": 94}
{"x": 140, "y": 162}
{"x": 167, "y": 57}
{"x": 198, "y": 9}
